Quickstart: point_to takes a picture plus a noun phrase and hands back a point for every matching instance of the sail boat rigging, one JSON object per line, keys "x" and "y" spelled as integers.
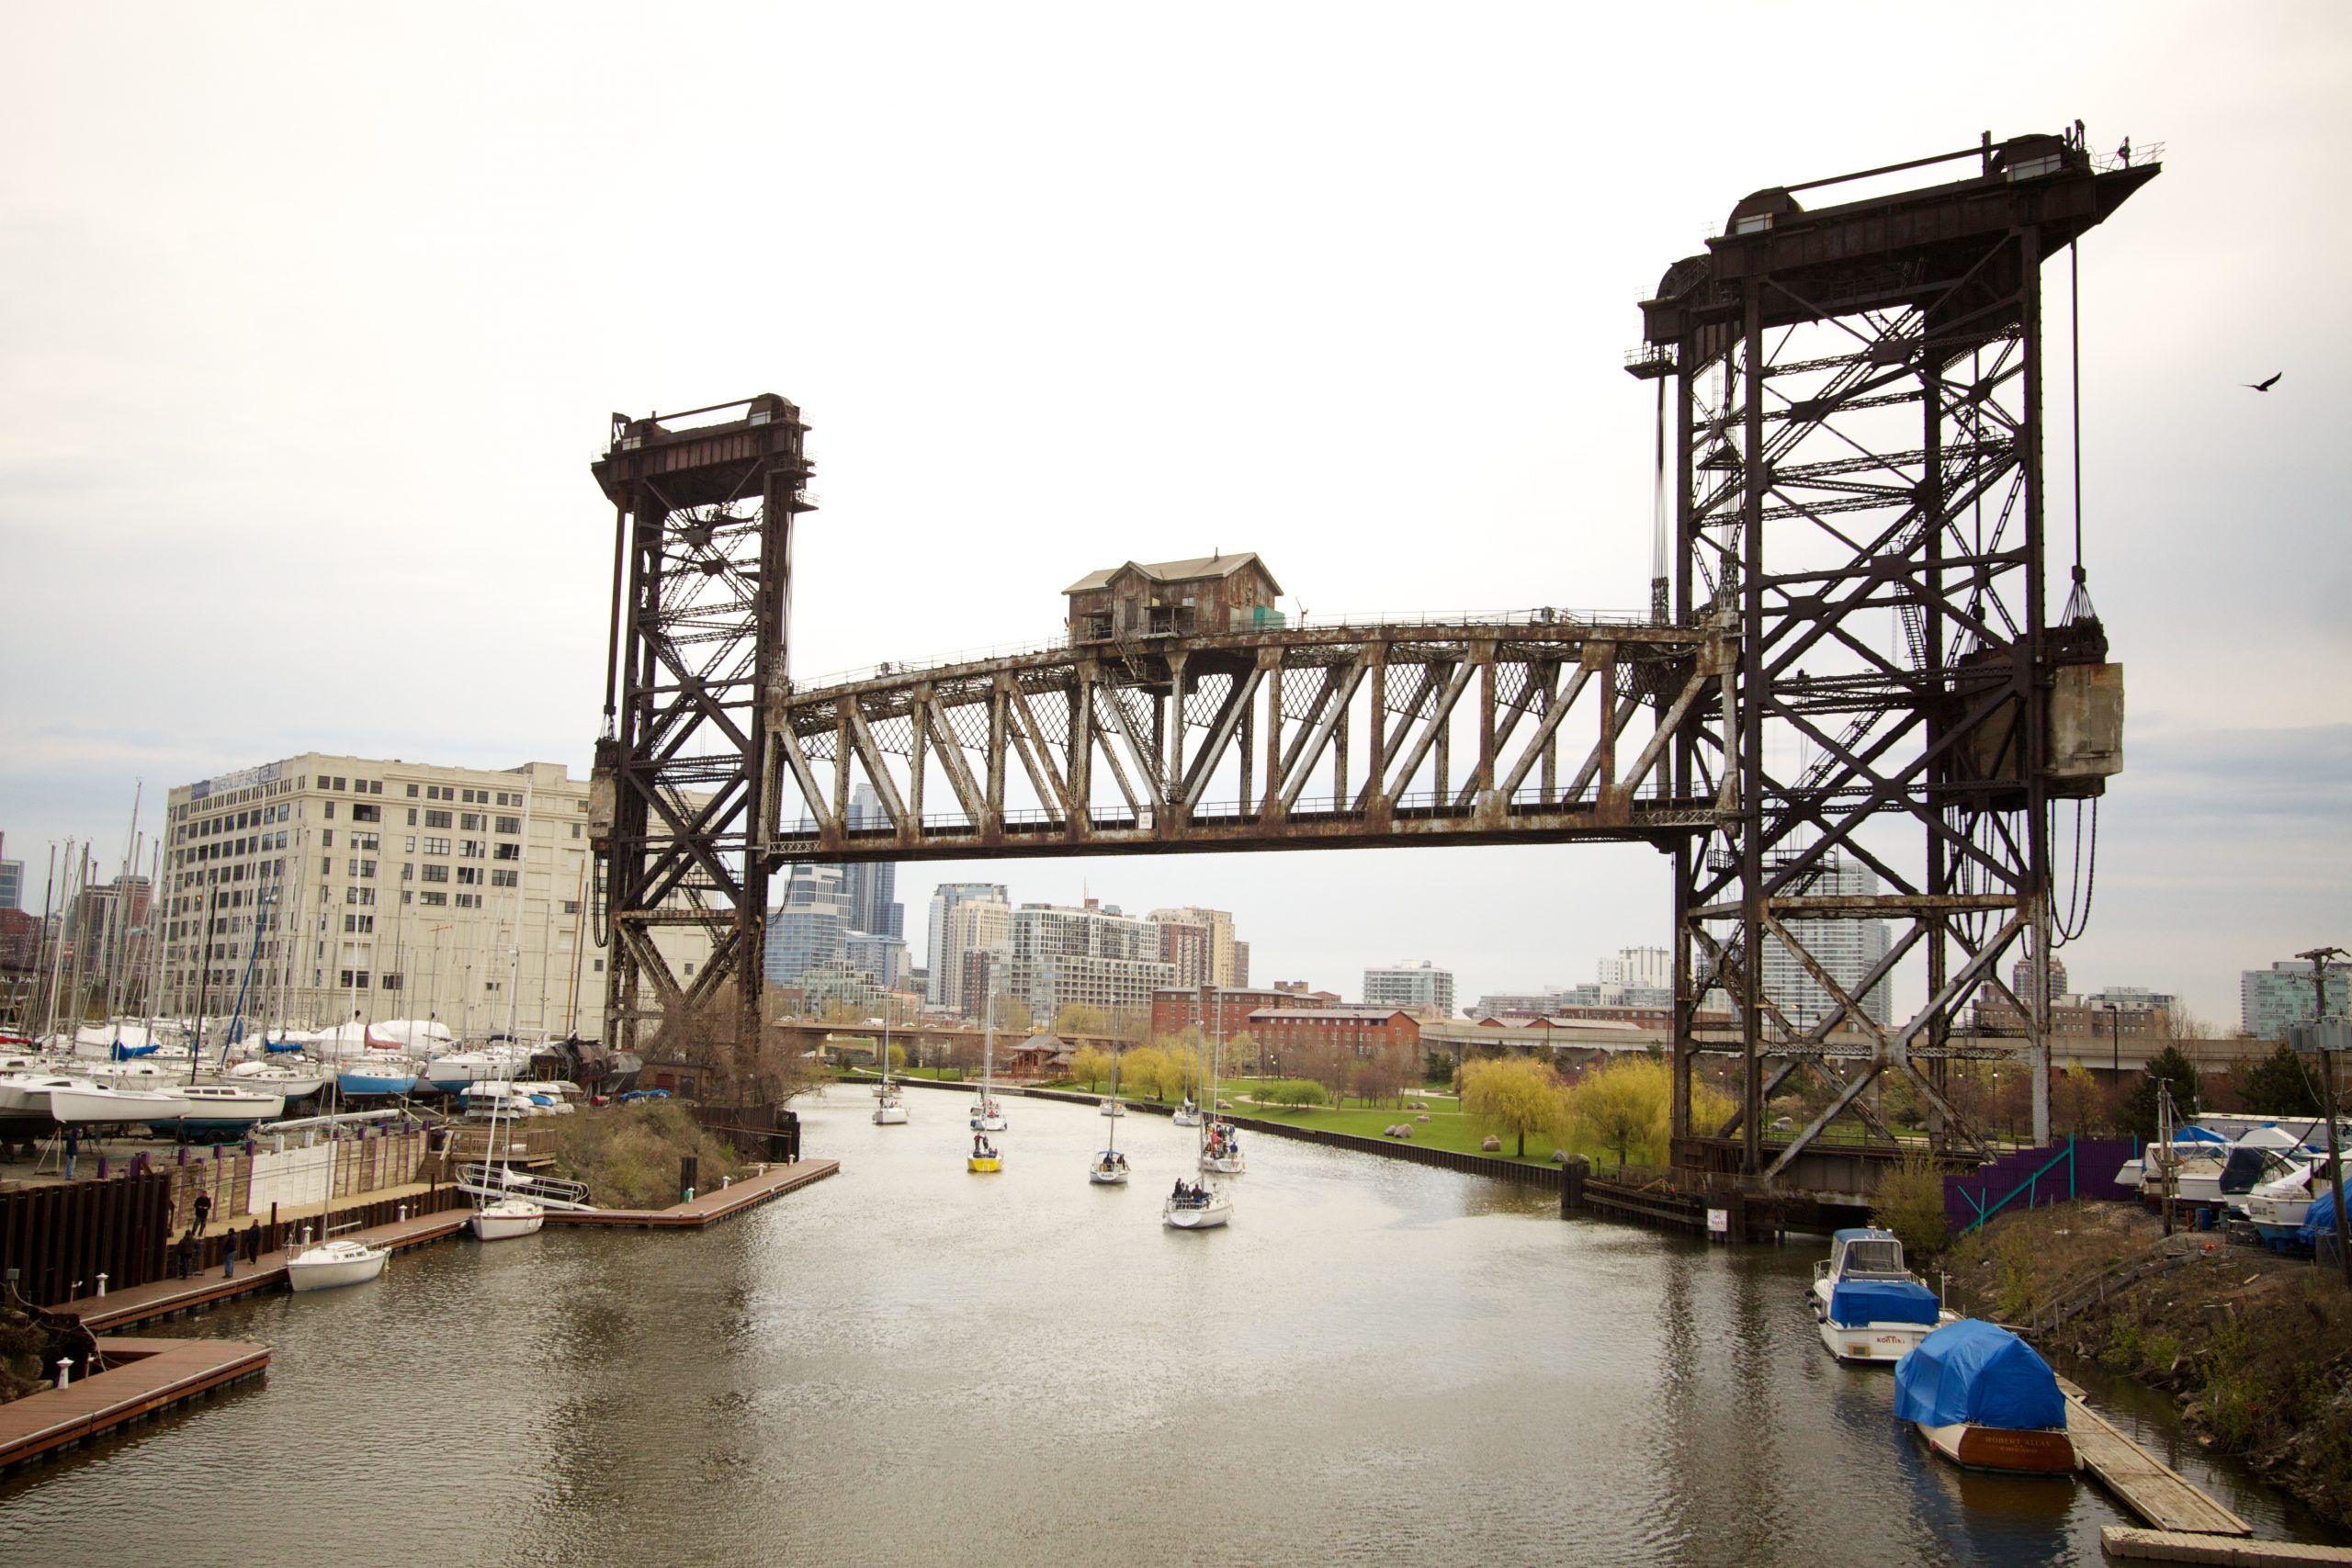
{"x": 987, "y": 1117}
{"x": 1109, "y": 1166}
{"x": 889, "y": 1109}
{"x": 1202, "y": 1204}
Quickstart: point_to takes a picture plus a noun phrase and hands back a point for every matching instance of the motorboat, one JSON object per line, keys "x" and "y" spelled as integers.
{"x": 2277, "y": 1209}
{"x": 1983, "y": 1399}
{"x": 984, "y": 1158}
{"x": 80, "y": 1100}
{"x": 296, "y": 1077}
{"x": 496, "y": 1098}
{"x": 1196, "y": 1206}
{"x": 1221, "y": 1153}
{"x": 1870, "y": 1306}
{"x": 1109, "y": 1169}
{"x": 333, "y": 1263}
{"x": 890, "y": 1111}
{"x": 507, "y": 1218}
{"x": 220, "y": 1108}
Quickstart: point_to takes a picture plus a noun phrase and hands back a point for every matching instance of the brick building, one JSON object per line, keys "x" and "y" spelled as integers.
{"x": 1361, "y": 1030}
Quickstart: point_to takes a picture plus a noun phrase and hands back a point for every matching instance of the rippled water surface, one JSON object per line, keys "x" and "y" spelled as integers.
{"x": 1377, "y": 1363}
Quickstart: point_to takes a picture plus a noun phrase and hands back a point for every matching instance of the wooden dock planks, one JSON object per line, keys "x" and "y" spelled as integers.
{"x": 160, "y": 1373}
{"x": 141, "y": 1303}
{"x": 707, "y": 1208}
{"x": 2145, "y": 1485}
{"x": 2125, "y": 1543}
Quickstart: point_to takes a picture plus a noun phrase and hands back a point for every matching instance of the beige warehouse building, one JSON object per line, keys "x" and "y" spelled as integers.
{"x": 333, "y": 887}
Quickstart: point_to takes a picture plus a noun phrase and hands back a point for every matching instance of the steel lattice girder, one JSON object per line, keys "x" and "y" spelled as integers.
{"x": 701, "y": 591}
{"x": 1856, "y": 403}
{"x": 1300, "y": 738}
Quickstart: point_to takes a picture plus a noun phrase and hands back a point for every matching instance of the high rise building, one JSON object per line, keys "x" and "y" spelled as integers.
{"x": 810, "y": 927}
{"x": 12, "y": 880}
{"x": 1092, "y": 956}
{"x": 944, "y": 974}
{"x": 2022, "y": 980}
{"x": 1184, "y": 946}
{"x": 1413, "y": 983}
{"x": 883, "y": 957}
{"x": 2269, "y": 999}
{"x": 974, "y": 935}
{"x": 1847, "y": 950}
{"x": 1219, "y": 923}
{"x": 1242, "y": 964}
{"x": 392, "y": 889}
{"x": 1651, "y": 968}
{"x": 872, "y": 886}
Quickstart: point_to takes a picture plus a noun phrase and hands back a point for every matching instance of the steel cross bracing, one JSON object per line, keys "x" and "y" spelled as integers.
{"x": 1856, "y": 417}
{"x": 701, "y": 565}
{"x": 1324, "y": 737}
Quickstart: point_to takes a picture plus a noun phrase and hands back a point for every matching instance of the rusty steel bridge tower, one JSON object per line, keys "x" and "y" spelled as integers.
{"x": 1852, "y": 397}
{"x": 680, "y": 800}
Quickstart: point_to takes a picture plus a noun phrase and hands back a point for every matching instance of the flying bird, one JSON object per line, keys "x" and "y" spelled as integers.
{"x": 2261, "y": 385}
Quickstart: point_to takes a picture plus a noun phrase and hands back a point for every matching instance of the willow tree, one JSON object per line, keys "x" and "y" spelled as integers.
{"x": 1513, "y": 1096}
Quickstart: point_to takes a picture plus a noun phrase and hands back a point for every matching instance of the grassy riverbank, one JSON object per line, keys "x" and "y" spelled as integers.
{"x": 629, "y": 1155}
{"x": 2257, "y": 1348}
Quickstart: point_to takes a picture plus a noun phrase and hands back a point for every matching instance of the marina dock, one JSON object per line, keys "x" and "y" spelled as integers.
{"x": 705, "y": 1209}
{"x": 151, "y": 1376}
{"x": 2125, "y": 1543}
{"x": 2145, "y": 1485}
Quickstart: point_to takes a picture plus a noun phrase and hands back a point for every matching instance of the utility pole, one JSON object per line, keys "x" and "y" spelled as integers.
{"x": 2318, "y": 957}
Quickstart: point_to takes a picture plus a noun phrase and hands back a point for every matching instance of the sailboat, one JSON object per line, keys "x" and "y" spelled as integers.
{"x": 333, "y": 1263}
{"x": 1199, "y": 1205}
{"x": 987, "y": 1116}
{"x": 889, "y": 1109}
{"x": 511, "y": 1215}
{"x": 1109, "y": 1166}
{"x": 1220, "y": 1140}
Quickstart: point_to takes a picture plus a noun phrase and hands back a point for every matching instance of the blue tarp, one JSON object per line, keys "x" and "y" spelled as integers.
{"x": 1856, "y": 1301}
{"x": 280, "y": 1047}
{"x": 2320, "y": 1216}
{"x": 123, "y": 1053}
{"x": 1971, "y": 1370}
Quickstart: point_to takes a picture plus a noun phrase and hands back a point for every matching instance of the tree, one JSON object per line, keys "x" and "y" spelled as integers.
{"x": 2277, "y": 1085}
{"x": 1139, "y": 1069}
{"x": 1629, "y": 1102}
{"x": 1089, "y": 1064}
{"x": 1080, "y": 1018}
{"x": 1013, "y": 1016}
{"x": 1178, "y": 1069}
{"x": 897, "y": 1057}
{"x": 2076, "y": 1099}
{"x": 1513, "y": 1097}
{"x": 1294, "y": 1092}
{"x": 2138, "y": 1112}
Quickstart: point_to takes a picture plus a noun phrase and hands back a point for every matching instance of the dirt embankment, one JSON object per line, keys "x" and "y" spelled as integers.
{"x": 2257, "y": 1348}
{"x": 629, "y": 1155}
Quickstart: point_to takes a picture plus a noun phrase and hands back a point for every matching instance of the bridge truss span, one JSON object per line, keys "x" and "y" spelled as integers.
{"x": 1298, "y": 738}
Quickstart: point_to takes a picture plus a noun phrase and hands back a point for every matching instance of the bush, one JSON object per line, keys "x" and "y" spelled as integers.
{"x": 1296, "y": 1093}
{"x": 1910, "y": 1203}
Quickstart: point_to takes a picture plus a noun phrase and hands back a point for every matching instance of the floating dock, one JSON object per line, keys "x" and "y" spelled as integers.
{"x": 149, "y": 1376}
{"x": 2148, "y": 1486}
{"x": 2127, "y": 1544}
{"x": 705, "y": 1209}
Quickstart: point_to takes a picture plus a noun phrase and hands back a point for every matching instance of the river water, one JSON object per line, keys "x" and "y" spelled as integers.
{"x": 1377, "y": 1363}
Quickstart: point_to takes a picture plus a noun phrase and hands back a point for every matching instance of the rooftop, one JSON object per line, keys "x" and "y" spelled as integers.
{"x": 1217, "y": 565}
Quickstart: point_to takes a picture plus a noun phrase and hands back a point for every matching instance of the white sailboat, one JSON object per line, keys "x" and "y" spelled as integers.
{"x": 889, "y": 1106}
{"x": 987, "y": 1116}
{"x": 512, "y": 1215}
{"x": 1203, "y": 1204}
{"x": 1109, "y": 1166}
{"x": 333, "y": 1263}
{"x": 1220, "y": 1140}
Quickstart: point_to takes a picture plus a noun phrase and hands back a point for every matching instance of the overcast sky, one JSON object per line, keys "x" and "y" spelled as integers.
{"x": 310, "y": 319}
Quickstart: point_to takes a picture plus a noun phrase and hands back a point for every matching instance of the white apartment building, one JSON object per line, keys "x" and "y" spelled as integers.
{"x": 329, "y": 886}
{"x": 1414, "y": 983}
{"x": 1647, "y": 968}
{"x": 1092, "y": 956}
{"x": 941, "y": 979}
{"x": 1849, "y": 950}
{"x": 976, "y": 925}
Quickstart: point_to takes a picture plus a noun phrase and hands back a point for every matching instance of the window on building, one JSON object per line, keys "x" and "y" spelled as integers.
{"x": 351, "y": 978}
{"x": 409, "y": 843}
{"x": 432, "y": 901}
{"x": 437, "y": 846}
{"x": 575, "y": 830}
{"x": 437, "y": 819}
{"x": 366, "y": 813}
{"x": 367, "y": 869}
{"x": 326, "y": 865}
{"x": 472, "y": 849}
{"x": 508, "y": 852}
{"x": 502, "y": 879}
{"x": 392, "y": 982}
{"x": 572, "y": 905}
{"x": 375, "y": 786}
{"x": 367, "y": 840}
{"x": 507, "y": 825}
{"x": 600, "y": 967}
{"x": 470, "y": 821}
{"x": 435, "y": 872}
{"x": 470, "y": 875}
{"x": 337, "y": 783}
{"x": 469, "y": 901}
{"x": 330, "y": 810}
{"x": 326, "y": 838}
{"x": 412, "y": 792}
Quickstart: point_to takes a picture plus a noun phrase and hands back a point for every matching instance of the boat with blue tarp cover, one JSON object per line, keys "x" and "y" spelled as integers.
{"x": 1985, "y": 1399}
{"x": 1869, "y": 1305}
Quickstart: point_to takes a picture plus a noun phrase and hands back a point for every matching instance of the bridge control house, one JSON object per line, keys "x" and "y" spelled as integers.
{"x": 1201, "y": 597}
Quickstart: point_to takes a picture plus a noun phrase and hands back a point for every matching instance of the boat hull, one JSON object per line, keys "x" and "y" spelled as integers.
{"x": 376, "y": 1081}
{"x": 332, "y": 1273}
{"x": 505, "y": 1220}
{"x": 2001, "y": 1451}
{"x": 890, "y": 1116}
{"x": 114, "y": 1105}
{"x": 988, "y": 1123}
{"x": 1208, "y": 1217}
{"x": 984, "y": 1165}
{"x": 1874, "y": 1344}
{"x": 1224, "y": 1165}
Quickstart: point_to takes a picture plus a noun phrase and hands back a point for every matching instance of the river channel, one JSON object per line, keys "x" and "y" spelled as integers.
{"x": 1377, "y": 1363}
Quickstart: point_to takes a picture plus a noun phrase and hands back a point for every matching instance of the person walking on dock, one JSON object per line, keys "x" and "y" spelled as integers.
{"x": 73, "y": 1152}
{"x": 203, "y": 1211}
{"x": 253, "y": 1242}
